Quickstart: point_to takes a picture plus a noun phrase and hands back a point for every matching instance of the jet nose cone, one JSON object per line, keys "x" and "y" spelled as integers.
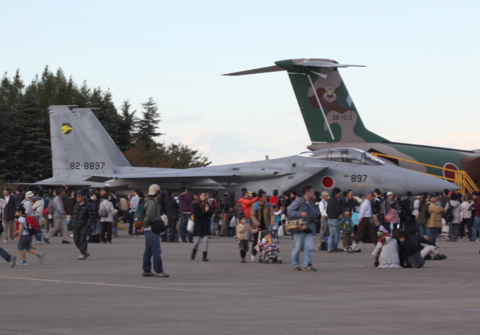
{"x": 419, "y": 182}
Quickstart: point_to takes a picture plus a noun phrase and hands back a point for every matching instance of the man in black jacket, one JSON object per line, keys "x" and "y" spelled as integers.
{"x": 172, "y": 208}
{"x": 334, "y": 210}
{"x": 8, "y": 215}
{"x": 83, "y": 217}
{"x": 428, "y": 252}
{"x": 409, "y": 252}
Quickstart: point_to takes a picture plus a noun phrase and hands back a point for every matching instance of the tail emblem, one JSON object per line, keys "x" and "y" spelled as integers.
{"x": 329, "y": 94}
{"x": 66, "y": 128}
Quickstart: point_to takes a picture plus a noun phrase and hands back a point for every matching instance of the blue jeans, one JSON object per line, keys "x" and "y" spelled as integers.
{"x": 213, "y": 226}
{"x": 152, "y": 249}
{"x": 334, "y": 230}
{"x": 433, "y": 233}
{"x": 38, "y": 235}
{"x": 475, "y": 228}
{"x": 183, "y": 228}
{"x": 302, "y": 241}
{"x": 422, "y": 228}
{"x": 5, "y": 255}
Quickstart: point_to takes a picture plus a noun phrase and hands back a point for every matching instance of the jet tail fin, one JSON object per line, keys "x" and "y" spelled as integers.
{"x": 74, "y": 156}
{"x": 99, "y": 136}
{"x": 326, "y": 106}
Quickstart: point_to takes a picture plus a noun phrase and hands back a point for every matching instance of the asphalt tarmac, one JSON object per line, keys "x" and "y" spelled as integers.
{"x": 107, "y": 295}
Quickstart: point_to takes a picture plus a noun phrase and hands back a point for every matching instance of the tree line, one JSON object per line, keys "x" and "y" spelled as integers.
{"x": 25, "y": 153}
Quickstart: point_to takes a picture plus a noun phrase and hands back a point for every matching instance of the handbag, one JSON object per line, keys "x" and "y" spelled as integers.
{"x": 233, "y": 222}
{"x": 103, "y": 211}
{"x": 297, "y": 224}
{"x": 376, "y": 220}
{"x": 190, "y": 225}
{"x": 388, "y": 217}
{"x": 158, "y": 226}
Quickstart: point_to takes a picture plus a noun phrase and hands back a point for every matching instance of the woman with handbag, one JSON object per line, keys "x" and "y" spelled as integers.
{"x": 201, "y": 229}
{"x": 106, "y": 212}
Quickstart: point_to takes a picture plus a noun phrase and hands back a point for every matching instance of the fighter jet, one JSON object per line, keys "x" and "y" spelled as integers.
{"x": 333, "y": 121}
{"x": 83, "y": 154}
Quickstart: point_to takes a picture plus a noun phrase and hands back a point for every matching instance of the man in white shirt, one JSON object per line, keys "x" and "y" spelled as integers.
{"x": 366, "y": 222}
{"x": 323, "y": 223}
{"x": 133, "y": 207}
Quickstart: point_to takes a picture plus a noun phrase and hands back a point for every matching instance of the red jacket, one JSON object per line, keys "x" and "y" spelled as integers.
{"x": 247, "y": 206}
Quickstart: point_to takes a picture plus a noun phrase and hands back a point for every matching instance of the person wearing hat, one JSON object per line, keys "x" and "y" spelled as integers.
{"x": 28, "y": 203}
{"x": 385, "y": 253}
{"x": 8, "y": 215}
{"x": 152, "y": 240}
{"x": 83, "y": 217}
{"x": 323, "y": 221}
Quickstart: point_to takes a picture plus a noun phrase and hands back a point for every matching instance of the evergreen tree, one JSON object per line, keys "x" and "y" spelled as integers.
{"x": 126, "y": 127}
{"x": 148, "y": 125}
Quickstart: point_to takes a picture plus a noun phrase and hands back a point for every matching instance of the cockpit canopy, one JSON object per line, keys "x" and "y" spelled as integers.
{"x": 346, "y": 155}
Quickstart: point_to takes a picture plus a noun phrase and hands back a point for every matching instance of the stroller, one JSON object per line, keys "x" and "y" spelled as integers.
{"x": 268, "y": 249}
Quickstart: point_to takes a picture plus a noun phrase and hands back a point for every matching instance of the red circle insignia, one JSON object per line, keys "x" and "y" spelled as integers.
{"x": 450, "y": 175}
{"x": 328, "y": 182}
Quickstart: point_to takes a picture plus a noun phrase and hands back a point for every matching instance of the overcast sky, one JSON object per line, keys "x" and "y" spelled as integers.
{"x": 421, "y": 83}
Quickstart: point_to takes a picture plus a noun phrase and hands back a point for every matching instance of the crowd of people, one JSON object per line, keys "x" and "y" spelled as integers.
{"x": 403, "y": 229}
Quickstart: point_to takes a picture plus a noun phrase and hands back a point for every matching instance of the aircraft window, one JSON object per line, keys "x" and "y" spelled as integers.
{"x": 346, "y": 155}
{"x": 371, "y": 160}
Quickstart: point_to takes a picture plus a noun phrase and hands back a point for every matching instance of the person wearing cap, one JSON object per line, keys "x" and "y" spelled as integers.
{"x": 38, "y": 207}
{"x": 8, "y": 215}
{"x": 56, "y": 209}
{"x": 324, "y": 220}
{"x": 83, "y": 217}
{"x": 152, "y": 240}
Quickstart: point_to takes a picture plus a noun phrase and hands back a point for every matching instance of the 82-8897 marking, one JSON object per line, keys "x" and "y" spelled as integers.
{"x": 87, "y": 165}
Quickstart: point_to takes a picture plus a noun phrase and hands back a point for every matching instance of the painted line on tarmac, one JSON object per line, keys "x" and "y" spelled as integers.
{"x": 244, "y": 294}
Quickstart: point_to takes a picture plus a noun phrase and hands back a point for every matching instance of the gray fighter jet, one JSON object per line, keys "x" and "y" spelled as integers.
{"x": 83, "y": 154}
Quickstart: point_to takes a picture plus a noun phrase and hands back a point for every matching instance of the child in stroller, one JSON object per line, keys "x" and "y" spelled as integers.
{"x": 268, "y": 249}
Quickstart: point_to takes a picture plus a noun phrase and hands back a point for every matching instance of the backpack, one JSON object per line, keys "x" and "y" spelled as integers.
{"x": 32, "y": 225}
{"x": 239, "y": 211}
{"x": 426, "y": 214}
{"x": 448, "y": 216}
{"x": 256, "y": 206}
{"x": 139, "y": 215}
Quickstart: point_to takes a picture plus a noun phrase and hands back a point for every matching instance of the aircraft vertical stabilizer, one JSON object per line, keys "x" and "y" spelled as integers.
{"x": 73, "y": 154}
{"x": 99, "y": 136}
{"x": 326, "y": 106}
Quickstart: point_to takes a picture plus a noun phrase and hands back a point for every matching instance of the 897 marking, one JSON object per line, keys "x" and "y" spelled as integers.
{"x": 359, "y": 178}
{"x": 87, "y": 165}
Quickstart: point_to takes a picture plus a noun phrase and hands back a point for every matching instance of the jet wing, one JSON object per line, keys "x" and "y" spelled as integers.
{"x": 166, "y": 176}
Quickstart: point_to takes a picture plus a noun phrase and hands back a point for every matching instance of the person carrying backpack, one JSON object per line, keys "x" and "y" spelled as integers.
{"x": 152, "y": 240}
{"x": 24, "y": 238}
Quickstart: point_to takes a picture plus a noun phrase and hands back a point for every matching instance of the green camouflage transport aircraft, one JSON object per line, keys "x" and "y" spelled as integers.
{"x": 333, "y": 121}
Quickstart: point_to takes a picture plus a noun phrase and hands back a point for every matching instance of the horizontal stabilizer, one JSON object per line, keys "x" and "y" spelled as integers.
{"x": 255, "y": 71}
{"x": 326, "y": 64}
